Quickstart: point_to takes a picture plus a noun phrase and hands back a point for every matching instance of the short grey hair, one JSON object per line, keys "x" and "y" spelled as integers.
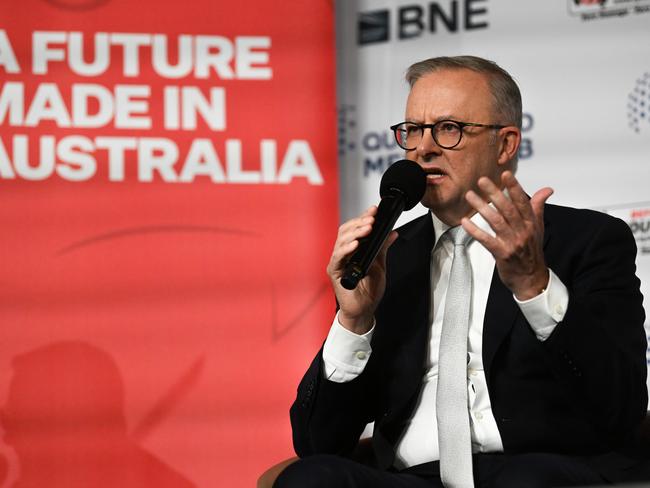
{"x": 506, "y": 97}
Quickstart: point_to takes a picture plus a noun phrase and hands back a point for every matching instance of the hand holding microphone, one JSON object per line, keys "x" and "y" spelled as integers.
{"x": 361, "y": 246}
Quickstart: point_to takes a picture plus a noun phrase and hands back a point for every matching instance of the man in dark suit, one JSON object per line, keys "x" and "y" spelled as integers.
{"x": 553, "y": 368}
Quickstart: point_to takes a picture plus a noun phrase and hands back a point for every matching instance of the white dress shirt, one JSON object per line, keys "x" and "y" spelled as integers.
{"x": 345, "y": 354}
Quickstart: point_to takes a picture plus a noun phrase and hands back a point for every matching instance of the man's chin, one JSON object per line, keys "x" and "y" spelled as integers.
{"x": 434, "y": 200}
{"x": 448, "y": 210}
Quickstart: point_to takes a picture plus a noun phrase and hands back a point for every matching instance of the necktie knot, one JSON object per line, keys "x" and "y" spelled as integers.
{"x": 459, "y": 236}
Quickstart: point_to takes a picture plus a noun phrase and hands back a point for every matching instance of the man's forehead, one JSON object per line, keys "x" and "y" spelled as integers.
{"x": 456, "y": 80}
{"x": 448, "y": 94}
{"x": 464, "y": 73}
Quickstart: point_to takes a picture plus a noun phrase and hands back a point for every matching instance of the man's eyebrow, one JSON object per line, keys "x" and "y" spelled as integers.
{"x": 436, "y": 120}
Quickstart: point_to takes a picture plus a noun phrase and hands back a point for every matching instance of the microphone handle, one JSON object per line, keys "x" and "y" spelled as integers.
{"x": 389, "y": 210}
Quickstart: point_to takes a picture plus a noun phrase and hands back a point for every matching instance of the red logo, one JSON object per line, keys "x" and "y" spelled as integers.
{"x": 589, "y": 2}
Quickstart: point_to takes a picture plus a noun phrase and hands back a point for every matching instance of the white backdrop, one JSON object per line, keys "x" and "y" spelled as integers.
{"x": 584, "y": 74}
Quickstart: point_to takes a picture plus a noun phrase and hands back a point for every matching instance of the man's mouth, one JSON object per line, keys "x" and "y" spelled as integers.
{"x": 434, "y": 175}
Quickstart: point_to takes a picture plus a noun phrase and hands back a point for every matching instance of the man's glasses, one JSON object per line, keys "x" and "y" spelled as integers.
{"x": 446, "y": 133}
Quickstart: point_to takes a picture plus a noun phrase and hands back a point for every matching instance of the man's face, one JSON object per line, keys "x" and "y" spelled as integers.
{"x": 464, "y": 96}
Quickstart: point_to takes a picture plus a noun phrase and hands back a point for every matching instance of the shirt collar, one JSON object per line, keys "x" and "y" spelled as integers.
{"x": 439, "y": 227}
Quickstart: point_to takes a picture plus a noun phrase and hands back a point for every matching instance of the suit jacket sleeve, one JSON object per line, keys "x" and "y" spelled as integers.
{"x": 598, "y": 351}
{"x": 328, "y": 417}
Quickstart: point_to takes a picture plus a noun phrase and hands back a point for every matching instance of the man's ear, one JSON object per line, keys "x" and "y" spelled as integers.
{"x": 509, "y": 139}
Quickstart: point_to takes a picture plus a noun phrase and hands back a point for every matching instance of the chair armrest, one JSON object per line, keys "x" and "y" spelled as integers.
{"x": 270, "y": 475}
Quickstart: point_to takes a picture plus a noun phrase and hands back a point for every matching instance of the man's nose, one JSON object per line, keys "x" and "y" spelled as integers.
{"x": 428, "y": 146}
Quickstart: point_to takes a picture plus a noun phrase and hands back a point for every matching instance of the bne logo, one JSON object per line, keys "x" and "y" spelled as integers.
{"x": 414, "y": 20}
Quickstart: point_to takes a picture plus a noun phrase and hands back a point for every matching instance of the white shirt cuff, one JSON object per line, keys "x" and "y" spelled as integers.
{"x": 345, "y": 354}
{"x": 547, "y": 309}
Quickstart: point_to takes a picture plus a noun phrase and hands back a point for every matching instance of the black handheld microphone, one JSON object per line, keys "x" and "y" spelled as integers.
{"x": 402, "y": 187}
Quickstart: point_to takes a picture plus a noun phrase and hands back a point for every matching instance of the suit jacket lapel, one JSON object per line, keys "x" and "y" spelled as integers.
{"x": 501, "y": 313}
{"x": 411, "y": 283}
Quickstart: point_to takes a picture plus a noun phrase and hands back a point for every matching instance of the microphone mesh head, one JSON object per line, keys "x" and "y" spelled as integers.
{"x": 404, "y": 177}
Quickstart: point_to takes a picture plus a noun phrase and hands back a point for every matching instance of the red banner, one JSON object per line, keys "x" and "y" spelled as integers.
{"x": 169, "y": 194}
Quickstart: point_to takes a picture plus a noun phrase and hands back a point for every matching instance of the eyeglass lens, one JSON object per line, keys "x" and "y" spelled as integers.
{"x": 446, "y": 133}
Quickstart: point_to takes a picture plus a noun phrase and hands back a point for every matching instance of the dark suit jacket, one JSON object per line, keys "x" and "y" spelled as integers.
{"x": 582, "y": 391}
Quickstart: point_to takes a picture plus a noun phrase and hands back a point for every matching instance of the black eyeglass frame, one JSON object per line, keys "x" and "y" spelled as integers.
{"x": 462, "y": 126}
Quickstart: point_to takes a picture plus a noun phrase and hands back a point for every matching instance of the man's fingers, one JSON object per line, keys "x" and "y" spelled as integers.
{"x": 356, "y": 222}
{"x": 367, "y": 217}
{"x": 392, "y": 237}
{"x": 347, "y": 241}
{"x": 492, "y": 216}
{"x": 502, "y": 203}
{"x": 538, "y": 200}
{"x": 381, "y": 256}
{"x": 372, "y": 210}
{"x": 490, "y": 243}
{"x": 355, "y": 228}
{"x": 517, "y": 195}
{"x": 358, "y": 229}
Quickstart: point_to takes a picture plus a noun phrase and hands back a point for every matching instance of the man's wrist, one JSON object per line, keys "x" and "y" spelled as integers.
{"x": 358, "y": 325}
{"x": 345, "y": 354}
{"x": 545, "y": 311}
{"x": 535, "y": 286}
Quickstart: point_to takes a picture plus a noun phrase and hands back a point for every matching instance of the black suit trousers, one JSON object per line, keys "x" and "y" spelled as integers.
{"x": 531, "y": 470}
